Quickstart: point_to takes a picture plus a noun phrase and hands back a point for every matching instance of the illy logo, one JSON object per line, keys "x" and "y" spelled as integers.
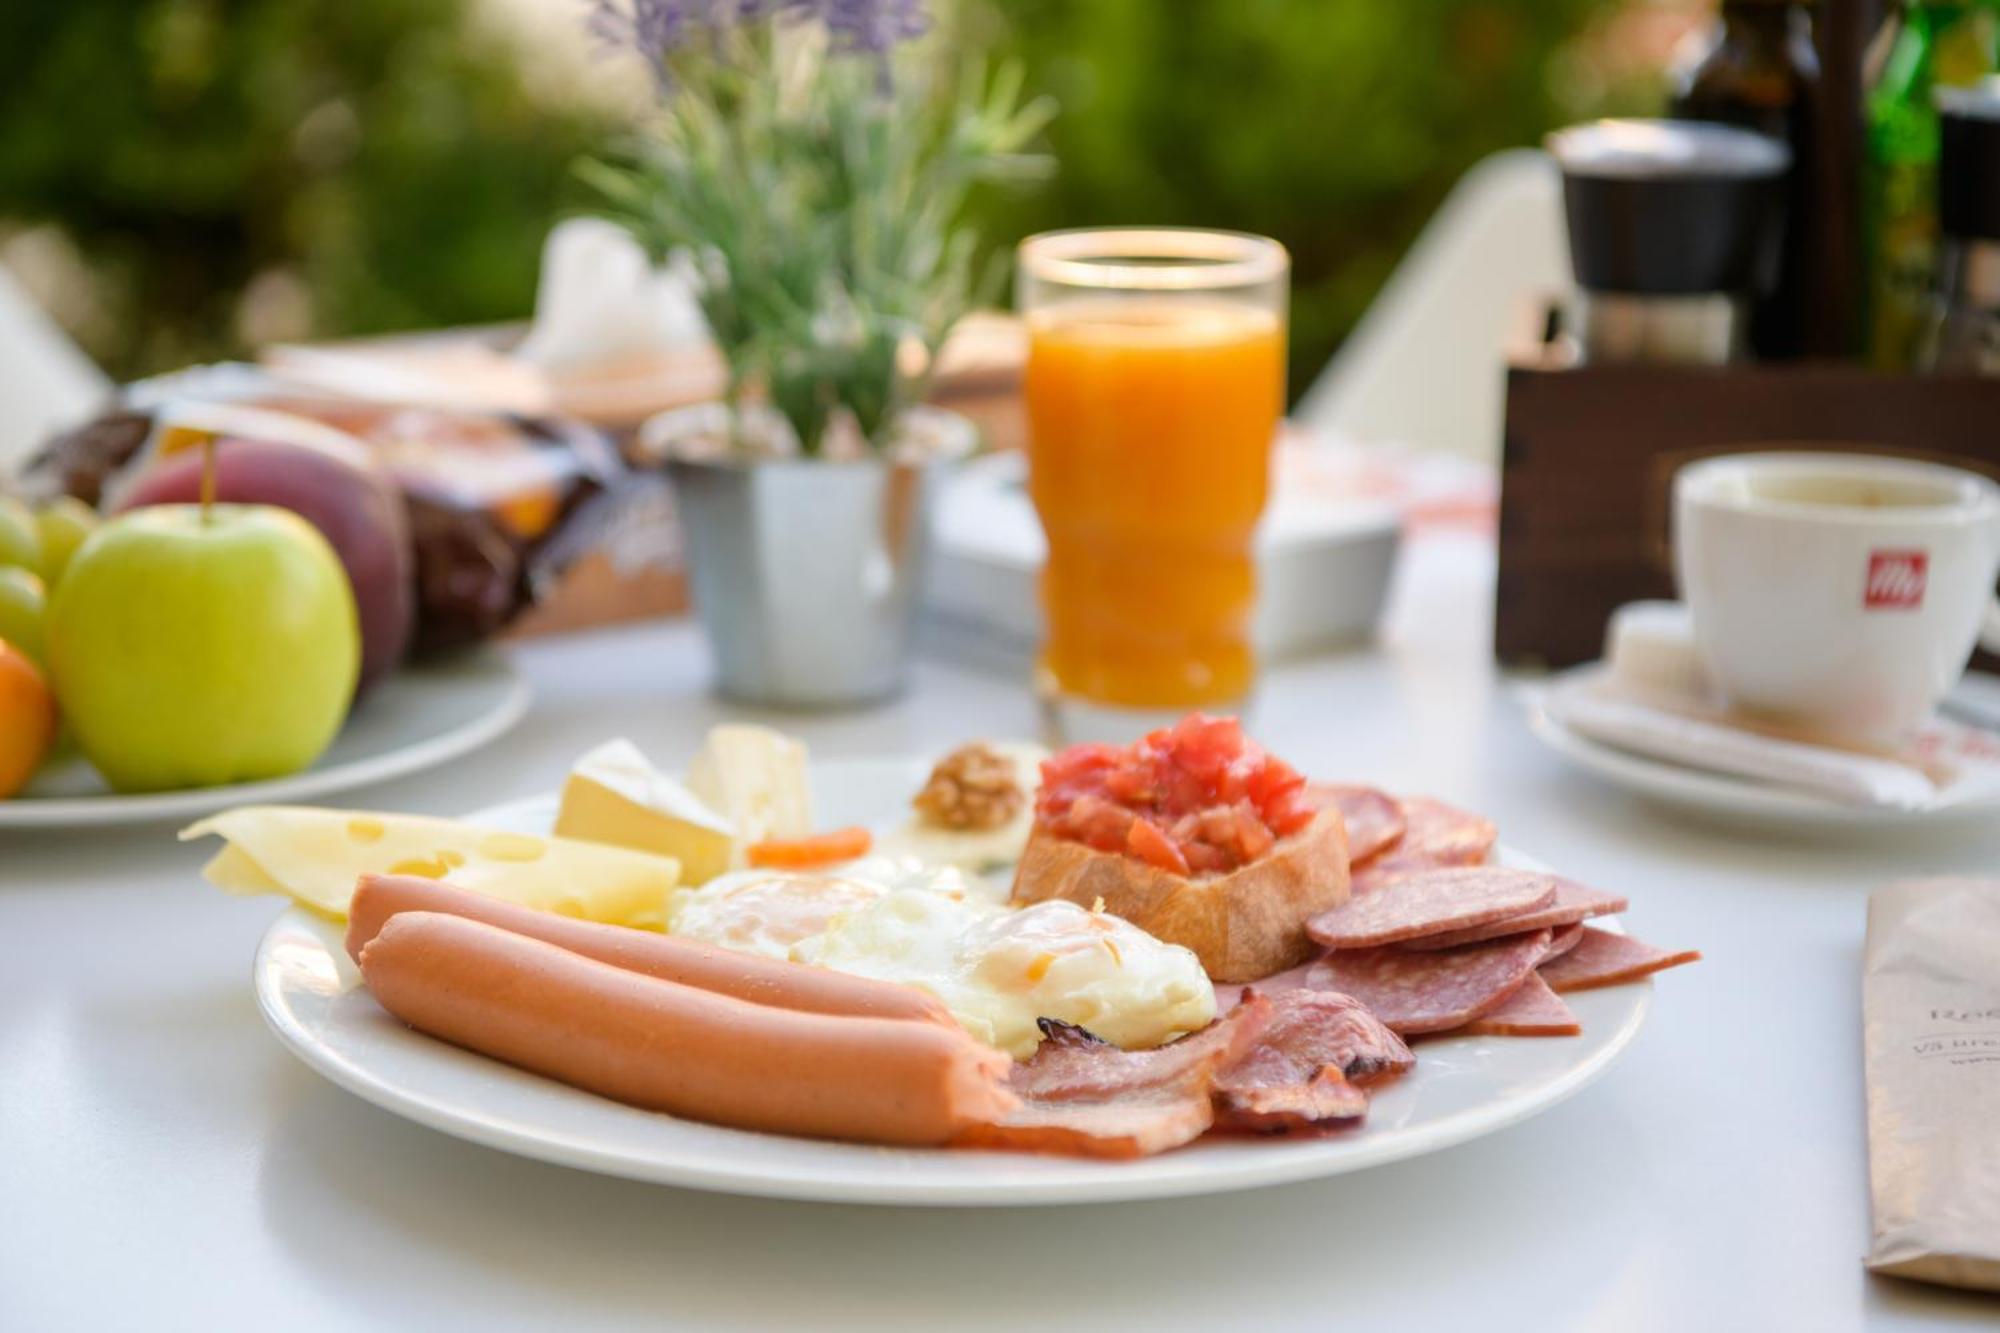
{"x": 1895, "y": 580}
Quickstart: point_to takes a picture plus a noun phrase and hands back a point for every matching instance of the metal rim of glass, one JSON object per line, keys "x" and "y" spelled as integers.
{"x": 1155, "y": 259}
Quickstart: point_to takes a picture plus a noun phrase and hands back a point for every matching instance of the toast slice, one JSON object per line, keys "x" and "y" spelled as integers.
{"x": 1243, "y": 926}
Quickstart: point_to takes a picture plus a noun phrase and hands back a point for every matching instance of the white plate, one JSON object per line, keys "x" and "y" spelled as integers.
{"x": 417, "y": 717}
{"x": 1742, "y": 801}
{"x": 1462, "y": 1087}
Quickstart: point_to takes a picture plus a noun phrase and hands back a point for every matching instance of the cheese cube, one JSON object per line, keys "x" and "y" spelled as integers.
{"x": 756, "y": 779}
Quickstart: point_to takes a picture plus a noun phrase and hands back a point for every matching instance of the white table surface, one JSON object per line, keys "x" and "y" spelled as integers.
{"x": 164, "y": 1164}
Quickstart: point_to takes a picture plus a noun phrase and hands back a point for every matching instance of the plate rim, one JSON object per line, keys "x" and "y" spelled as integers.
{"x": 1091, "y": 1182}
{"x": 109, "y": 809}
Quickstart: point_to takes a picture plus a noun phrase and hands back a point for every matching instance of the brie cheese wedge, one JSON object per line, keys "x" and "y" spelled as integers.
{"x": 614, "y": 795}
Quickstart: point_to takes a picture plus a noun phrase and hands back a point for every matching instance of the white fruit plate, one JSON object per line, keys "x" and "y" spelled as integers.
{"x": 1462, "y": 1087}
{"x": 415, "y": 718}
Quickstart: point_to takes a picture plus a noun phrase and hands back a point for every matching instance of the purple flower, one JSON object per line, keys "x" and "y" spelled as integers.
{"x": 656, "y": 29}
{"x": 873, "y": 26}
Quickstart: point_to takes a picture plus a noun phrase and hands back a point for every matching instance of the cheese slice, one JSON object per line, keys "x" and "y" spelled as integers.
{"x": 755, "y": 778}
{"x": 316, "y": 855}
{"x": 614, "y": 795}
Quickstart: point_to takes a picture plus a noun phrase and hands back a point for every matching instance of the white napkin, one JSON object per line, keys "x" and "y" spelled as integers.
{"x": 1647, "y": 698}
{"x": 600, "y": 300}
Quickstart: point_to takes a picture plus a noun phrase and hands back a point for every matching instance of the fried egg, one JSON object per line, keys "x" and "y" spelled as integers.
{"x": 995, "y": 969}
{"x": 769, "y": 911}
{"x": 756, "y": 911}
{"x": 998, "y": 971}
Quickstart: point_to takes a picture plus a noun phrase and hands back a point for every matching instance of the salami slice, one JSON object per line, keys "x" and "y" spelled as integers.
{"x": 1533, "y": 1010}
{"x": 1374, "y": 820}
{"x": 1573, "y": 902}
{"x": 1434, "y": 835}
{"x": 1425, "y": 904}
{"x": 1431, "y": 992}
{"x": 1229, "y": 994}
{"x": 1604, "y": 959}
{"x": 1561, "y": 940}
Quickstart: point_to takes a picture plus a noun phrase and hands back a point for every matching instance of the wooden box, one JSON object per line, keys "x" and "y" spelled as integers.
{"x": 1590, "y": 452}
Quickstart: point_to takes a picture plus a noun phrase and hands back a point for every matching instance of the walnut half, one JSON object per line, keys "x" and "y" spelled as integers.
{"x": 973, "y": 788}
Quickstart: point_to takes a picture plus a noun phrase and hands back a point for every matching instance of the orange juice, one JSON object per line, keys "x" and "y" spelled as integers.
{"x": 1150, "y": 427}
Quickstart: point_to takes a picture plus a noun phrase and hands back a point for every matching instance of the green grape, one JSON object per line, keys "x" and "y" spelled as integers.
{"x": 20, "y": 539}
{"x": 64, "y": 525}
{"x": 23, "y": 602}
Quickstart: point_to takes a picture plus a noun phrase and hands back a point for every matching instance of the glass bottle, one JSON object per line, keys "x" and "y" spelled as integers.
{"x": 1931, "y": 45}
{"x": 1965, "y": 324}
{"x": 1757, "y": 69}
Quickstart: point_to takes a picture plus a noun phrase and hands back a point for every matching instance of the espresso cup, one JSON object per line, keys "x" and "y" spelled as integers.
{"x": 1839, "y": 594}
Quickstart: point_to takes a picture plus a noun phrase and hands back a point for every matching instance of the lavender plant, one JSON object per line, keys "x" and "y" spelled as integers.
{"x": 813, "y": 160}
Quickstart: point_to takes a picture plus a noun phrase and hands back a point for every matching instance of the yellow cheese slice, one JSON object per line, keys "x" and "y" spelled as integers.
{"x": 316, "y": 855}
{"x": 756, "y": 779}
{"x": 614, "y": 795}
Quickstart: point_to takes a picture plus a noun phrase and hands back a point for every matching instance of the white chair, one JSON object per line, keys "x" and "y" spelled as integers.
{"x": 46, "y": 382}
{"x": 1425, "y": 367}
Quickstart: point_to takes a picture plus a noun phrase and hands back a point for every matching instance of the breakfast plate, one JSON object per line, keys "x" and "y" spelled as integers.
{"x": 418, "y": 717}
{"x": 309, "y": 993}
{"x": 1744, "y": 802}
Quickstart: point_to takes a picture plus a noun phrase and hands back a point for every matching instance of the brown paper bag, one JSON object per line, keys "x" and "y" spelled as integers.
{"x": 1931, "y": 1028}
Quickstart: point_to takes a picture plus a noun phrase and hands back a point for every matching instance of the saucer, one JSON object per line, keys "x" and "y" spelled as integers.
{"x": 1726, "y": 798}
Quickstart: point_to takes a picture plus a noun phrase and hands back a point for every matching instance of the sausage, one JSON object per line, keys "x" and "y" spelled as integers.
{"x": 771, "y": 981}
{"x": 679, "y": 1049}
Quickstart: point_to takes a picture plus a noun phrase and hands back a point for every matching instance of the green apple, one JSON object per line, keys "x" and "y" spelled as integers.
{"x": 63, "y": 525}
{"x": 23, "y": 605}
{"x": 20, "y": 542}
{"x": 196, "y": 646}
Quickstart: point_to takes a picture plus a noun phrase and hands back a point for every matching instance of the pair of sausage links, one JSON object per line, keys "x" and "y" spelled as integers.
{"x": 676, "y": 1048}
{"x": 771, "y": 981}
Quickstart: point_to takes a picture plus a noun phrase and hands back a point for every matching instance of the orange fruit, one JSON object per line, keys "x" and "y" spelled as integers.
{"x": 27, "y": 719}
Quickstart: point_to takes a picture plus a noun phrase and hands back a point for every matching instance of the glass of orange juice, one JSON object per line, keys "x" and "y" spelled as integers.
{"x": 1155, "y": 383}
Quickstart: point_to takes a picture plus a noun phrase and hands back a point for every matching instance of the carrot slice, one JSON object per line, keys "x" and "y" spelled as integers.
{"x": 1154, "y": 847}
{"x": 816, "y": 849}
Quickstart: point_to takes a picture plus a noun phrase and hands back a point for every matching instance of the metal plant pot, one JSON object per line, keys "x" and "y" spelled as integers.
{"x": 807, "y": 573}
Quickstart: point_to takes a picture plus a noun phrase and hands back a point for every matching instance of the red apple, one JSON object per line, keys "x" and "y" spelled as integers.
{"x": 359, "y": 511}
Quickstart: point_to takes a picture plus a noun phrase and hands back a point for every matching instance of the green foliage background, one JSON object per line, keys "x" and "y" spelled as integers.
{"x": 393, "y": 163}
{"x": 376, "y": 148}
{"x": 1334, "y": 125}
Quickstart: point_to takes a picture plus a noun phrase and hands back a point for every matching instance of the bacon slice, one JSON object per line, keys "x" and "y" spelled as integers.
{"x": 1604, "y": 959}
{"x": 1374, "y": 820}
{"x": 1275, "y": 1097}
{"x": 1533, "y": 1010}
{"x": 1434, "y": 834}
{"x": 1573, "y": 903}
{"x": 1083, "y": 1096}
{"x": 1431, "y": 992}
{"x": 1432, "y": 902}
{"x": 1304, "y": 1070}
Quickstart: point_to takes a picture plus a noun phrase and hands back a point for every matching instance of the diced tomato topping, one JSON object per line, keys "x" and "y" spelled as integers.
{"x": 1145, "y": 841}
{"x": 1198, "y": 797}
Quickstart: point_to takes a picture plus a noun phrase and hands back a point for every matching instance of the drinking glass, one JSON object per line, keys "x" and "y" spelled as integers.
{"x": 1155, "y": 383}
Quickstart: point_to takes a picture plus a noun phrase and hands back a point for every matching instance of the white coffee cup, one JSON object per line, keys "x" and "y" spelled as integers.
{"x": 1838, "y": 593}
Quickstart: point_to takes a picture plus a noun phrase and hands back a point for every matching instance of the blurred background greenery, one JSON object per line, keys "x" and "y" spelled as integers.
{"x": 182, "y": 180}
